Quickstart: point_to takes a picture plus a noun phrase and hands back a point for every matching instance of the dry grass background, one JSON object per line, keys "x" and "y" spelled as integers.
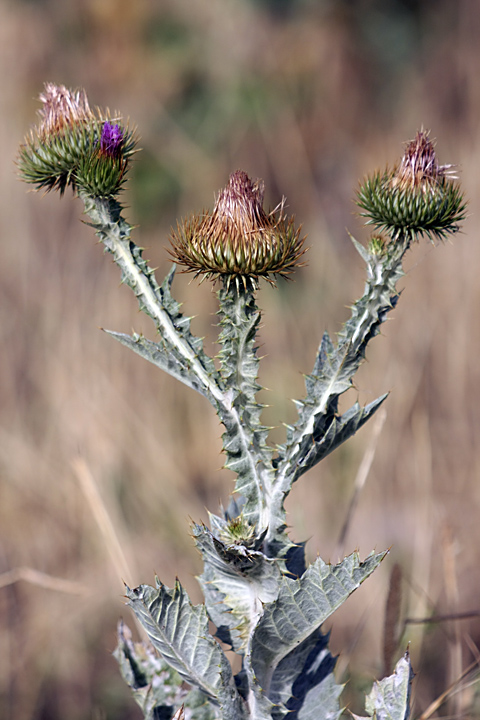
{"x": 310, "y": 96}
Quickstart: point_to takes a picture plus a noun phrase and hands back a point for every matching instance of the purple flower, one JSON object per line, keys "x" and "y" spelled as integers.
{"x": 111, "y": 139}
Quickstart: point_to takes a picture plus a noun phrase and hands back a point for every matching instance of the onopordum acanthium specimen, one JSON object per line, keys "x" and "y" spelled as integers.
{"x": 266, "y": 604}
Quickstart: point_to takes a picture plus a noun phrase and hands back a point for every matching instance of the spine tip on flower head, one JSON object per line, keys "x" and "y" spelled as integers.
{"x": 238, "y": 241}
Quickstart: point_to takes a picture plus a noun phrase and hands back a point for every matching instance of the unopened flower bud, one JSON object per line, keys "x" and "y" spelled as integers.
{"x": 418, "y": 197}
{"x": 377, "y": 244}
{"x": 238, "y": 239}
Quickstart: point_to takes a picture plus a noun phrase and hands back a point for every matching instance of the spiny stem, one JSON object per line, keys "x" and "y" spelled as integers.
{"x": 239, "y": 319}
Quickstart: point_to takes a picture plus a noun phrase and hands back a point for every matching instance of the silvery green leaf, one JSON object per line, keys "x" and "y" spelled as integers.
{"x": 300, "y": 609}
{"x": 340, "y": 429}
{"x": 179, "y": 631}
{"x": 163, "y": 356}
{"x": 304, "y": 684}
{"x": 389, "y": 698}
{"x": 156, "y": 687}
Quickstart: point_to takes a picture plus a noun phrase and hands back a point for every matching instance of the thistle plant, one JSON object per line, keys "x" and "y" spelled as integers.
{"x": 261, "y": 598}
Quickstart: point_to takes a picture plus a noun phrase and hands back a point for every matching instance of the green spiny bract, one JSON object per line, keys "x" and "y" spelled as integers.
{"x": 264, "y": 601}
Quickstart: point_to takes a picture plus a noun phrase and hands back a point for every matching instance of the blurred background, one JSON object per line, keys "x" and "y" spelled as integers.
{"x": 104, "y": 461}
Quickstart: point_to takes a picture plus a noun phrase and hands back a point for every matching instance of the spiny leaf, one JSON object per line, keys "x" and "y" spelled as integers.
{"x": 163, "y": 356}
{"x": 340, "y": 429}
{"x": 301, "y": 608}
{"x": 304, "y": 682}
{"x": 389, "y": 698}
{"x": 156, "y": 687}
{"x": 179, "y": 631}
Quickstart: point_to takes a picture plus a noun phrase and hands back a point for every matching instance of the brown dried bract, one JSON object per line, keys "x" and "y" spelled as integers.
{"x": 62, "y": 108}
{"x": 419, "y": 167}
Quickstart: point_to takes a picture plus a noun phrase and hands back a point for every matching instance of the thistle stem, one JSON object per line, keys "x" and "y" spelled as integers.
{"x": 239, "y": 320}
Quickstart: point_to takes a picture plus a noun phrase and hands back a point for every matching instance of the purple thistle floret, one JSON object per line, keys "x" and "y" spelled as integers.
{"x": 111, "y": 139}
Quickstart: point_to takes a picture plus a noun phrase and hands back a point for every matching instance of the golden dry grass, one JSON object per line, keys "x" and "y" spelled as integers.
{"x": 309, "y": 100}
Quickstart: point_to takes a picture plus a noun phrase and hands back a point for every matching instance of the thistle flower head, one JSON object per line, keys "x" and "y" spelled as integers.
{"x": 418, "y": 197}
{"x": 75, "y": 146}
{"x": 238, "y": 239}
